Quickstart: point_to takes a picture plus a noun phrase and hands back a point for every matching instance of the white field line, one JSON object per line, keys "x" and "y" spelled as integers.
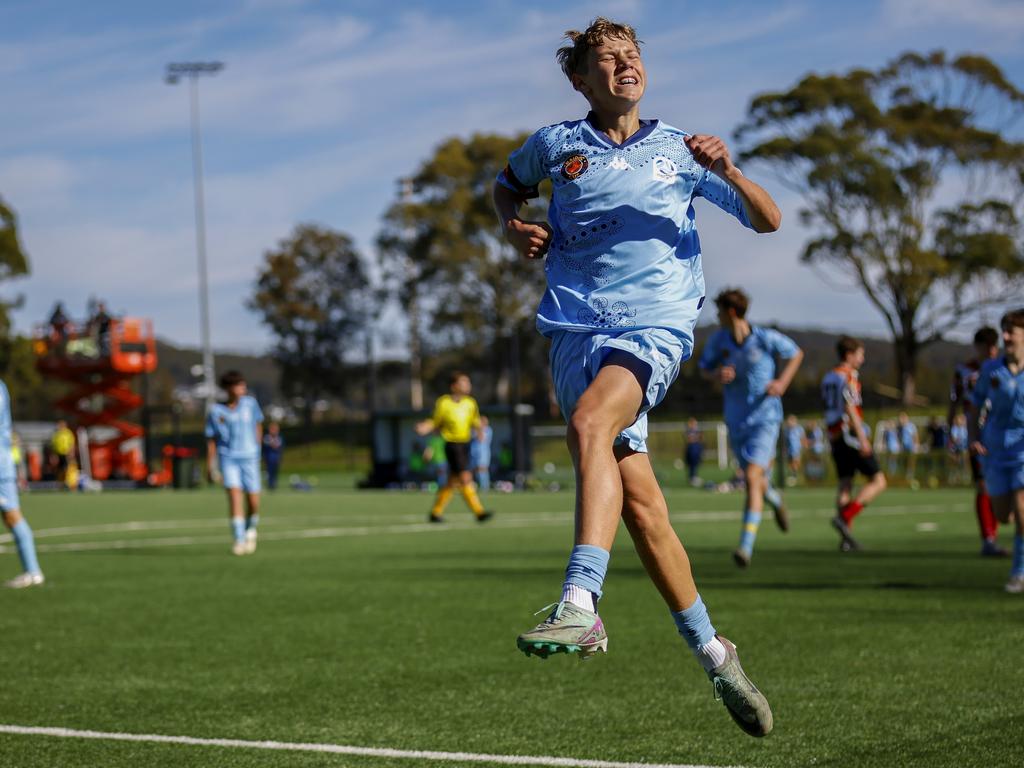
{"x": 334, "y": 749}
{"x": 196, "y": 522}
{"x": 522, "y": 521}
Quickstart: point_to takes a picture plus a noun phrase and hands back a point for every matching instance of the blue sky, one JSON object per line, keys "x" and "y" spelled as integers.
{"x": 323, "y": 105}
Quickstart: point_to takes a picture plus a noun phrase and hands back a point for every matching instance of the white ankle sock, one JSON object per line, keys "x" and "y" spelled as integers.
{"x": 711, "y": 655}
{"x": 579, "y": 596}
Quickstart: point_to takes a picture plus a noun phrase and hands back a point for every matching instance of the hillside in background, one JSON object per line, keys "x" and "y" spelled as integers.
{"x": 690, "y": 395}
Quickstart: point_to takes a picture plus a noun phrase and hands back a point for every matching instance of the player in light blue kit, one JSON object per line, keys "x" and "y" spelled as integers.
{"x": 741, "y": 357}
{"x": 480, "y": 453}
{"x": 624, "y": 288}
{"x": 30, "y": 576}
{"x": 998, "y": 398}
{"x": 234, "y": 434}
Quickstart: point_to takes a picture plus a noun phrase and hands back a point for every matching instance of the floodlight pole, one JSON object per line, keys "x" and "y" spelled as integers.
{"x": 174, "y": 73}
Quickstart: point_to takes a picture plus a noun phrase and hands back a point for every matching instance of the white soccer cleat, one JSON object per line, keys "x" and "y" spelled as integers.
{"x": 23, "y": 580}
{"x": 250, "y": 541}
{"x": 240, "y": 548}
{"x": 1015, "y": 585}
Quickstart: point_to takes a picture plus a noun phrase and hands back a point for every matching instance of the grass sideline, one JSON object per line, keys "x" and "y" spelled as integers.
{"x": 358, "y": 624}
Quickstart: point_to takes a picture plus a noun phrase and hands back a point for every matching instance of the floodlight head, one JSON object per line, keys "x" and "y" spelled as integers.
{"x": 177, "y": 70}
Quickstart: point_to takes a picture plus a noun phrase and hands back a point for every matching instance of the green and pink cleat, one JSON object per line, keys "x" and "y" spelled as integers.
{"x": 567, "y": 629}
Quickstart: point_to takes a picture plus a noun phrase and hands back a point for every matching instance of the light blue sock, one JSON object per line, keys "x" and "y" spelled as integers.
{"x": 587, "y": 567}
{"x": 483, "y": 479}
{"x": 694, "y": 624}
{"x": 26, "y": 545}
{"x": 252, "y": 521}
{"x": 238, "y": 528}
{"x": 1018, "y": 556}
{"x": 772, "y": 496}
{"x": 751, "y": 522}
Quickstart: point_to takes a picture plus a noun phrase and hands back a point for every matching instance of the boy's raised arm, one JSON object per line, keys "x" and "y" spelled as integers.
{"x": 530, "y": 238}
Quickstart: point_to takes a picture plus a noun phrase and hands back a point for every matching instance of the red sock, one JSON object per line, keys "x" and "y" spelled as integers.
{"x": 850, "y": 511}
{"x": 986, "y": 517}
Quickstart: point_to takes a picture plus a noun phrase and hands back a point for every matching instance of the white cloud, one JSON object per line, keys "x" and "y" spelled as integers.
{"x": 1000, "y": 16}
{"x": 36, "y": 180}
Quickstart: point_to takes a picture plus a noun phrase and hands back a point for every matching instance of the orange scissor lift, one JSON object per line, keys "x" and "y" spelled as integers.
{"x": 99, "y": 367}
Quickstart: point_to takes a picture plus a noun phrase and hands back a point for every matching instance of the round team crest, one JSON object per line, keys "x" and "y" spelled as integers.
{"x": 574, "y": 167}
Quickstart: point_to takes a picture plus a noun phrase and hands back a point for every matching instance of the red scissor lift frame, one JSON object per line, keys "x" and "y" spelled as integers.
{"x": 103, "y": 370}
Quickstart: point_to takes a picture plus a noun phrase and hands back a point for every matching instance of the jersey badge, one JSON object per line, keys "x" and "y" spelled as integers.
{"x": 575, "y": 166}
{"x": 664, "y": 170}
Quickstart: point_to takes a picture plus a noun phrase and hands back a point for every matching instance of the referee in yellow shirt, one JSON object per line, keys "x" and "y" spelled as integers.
{"x": 455, "y": 416}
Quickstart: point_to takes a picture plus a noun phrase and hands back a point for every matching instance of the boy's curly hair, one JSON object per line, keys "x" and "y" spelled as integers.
{"x": 573, "y": 57}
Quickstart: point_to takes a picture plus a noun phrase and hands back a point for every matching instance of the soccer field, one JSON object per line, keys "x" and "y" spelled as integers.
{"x": 358, "y": 624}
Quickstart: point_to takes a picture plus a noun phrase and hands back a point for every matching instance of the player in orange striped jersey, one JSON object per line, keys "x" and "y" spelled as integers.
{"x": 851, "y": 448}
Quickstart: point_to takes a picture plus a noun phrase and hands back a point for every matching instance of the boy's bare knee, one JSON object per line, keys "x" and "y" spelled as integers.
{"x": 587, "y": 424}
{"x": 646, "y": 519}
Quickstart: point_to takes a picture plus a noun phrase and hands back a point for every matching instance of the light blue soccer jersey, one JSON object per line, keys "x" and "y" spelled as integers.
{"x": 7, "y": 468}
{"x": 795, "y": 440}
{"x": 908, "y": 436}
{"x": 754, "y": 360}
{"x": 624, "y": 251}
{"x": 480, "y": 450}
{"x": 234, "y": 429}
{"x": 1001, "y": 394}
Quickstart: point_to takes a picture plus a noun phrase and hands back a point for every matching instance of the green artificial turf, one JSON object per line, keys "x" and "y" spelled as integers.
{"x": 356, "y": 623}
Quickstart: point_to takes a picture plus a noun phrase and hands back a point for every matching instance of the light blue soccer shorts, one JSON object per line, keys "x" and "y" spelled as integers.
{"x": 241, "y": 473}
{"x": 8, "y": 494}
{"x": 754, "y": 443}
{"x": 1004, "y": 473}
{"x": 576, "y": 359}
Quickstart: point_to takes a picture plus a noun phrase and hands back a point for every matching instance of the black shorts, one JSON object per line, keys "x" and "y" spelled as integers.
{"x": 458, "y": 457}
{"x": 849, "y": 461}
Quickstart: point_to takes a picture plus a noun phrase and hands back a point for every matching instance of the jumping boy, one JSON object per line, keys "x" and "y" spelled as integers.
{"x": 998, "y": 400}
{"x": 455, "y": 417}
{"x": 234, "y": 434}
{"x": 624, "y": 288}
{"x": 741, "y": 357}
{"x": 851, "y": 448}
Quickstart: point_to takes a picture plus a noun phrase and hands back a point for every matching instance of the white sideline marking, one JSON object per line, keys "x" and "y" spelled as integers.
{"x": 335, "y": 749}
{"x": 693, "y": 516}
{"x": 522, "y": 521}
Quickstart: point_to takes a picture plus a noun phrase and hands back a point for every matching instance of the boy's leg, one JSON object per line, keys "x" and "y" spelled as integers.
{"x": 468, "y": 488}
{"x": 252, "y": 486}
{"x": 988, "y": 526}
{"x": 1016, "y": 582}
{"x": 483, "y": 475}
{"x": 24, "y": 541}
{"x": 607, "y": 406}
{"x": 1010, "y": 506}
{"x": 444, "y": 495}
{"x": 645, "y": 514}
{"x": 753, "y": 509}
{"x": 236, "y": 518}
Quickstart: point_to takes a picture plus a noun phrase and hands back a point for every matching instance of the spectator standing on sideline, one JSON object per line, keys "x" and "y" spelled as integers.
{"x": 694, "y": 450}
{"x": 273, "y": 448}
